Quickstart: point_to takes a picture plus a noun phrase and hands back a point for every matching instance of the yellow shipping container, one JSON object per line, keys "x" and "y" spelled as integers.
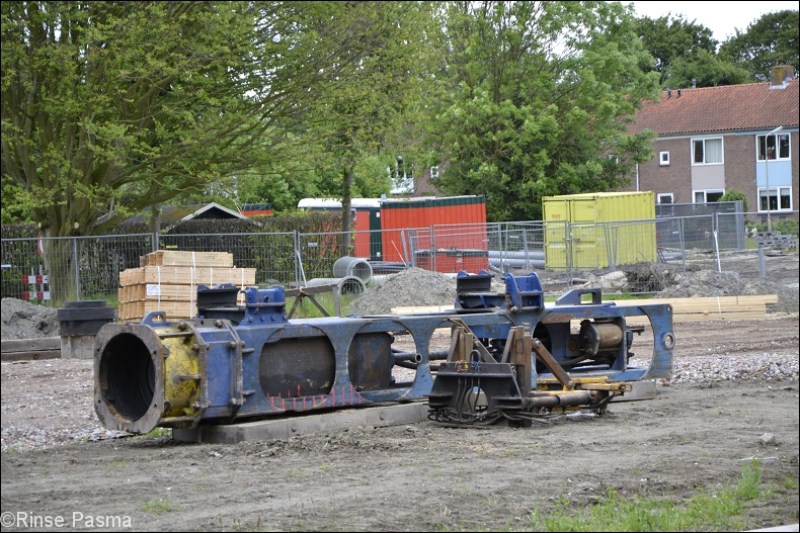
{"x": 600, "y": 229}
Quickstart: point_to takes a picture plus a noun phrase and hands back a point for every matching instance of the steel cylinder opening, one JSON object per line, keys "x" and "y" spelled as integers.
{"x": 126, "y": 375}
{"x": 297, "y": 367}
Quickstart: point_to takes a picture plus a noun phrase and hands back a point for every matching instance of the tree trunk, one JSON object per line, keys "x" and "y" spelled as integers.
{"x": 59, "y": 264}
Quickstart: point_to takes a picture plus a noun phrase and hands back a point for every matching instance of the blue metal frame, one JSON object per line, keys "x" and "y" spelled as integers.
{"x": 241, "y": 350}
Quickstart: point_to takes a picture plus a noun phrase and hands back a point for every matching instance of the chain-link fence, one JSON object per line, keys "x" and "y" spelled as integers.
{"x": 54, "y": 271}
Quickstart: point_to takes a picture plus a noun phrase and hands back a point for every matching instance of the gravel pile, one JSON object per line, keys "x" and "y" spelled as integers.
{"x": 714, "y": 283}
{"x": 411, "y": 287}
{"x": 24, "y": 320}
{"x": 720, "y": 367}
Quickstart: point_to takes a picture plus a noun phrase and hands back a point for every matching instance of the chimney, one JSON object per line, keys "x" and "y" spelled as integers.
{"x": 780, "y": 74}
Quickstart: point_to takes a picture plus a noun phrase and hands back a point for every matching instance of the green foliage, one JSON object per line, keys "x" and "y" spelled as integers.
{"x": 671, "y": 39}
{"x": 684, "y": 51}
{"x": 732, "y": 195}
{"x": 773, "y": 39}
{"x": 356, "y": 115}
{"x": 522, "y": 122}
{"x": 786, "y": 227}
{"x": 160, "y": 506}
{"x": 703, "y": 69}
{"x": 120, "y": 100}
{"x": 719, "y": 510}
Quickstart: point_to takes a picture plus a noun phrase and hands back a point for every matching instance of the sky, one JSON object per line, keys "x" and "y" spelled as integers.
{"x": 722, "y": 18}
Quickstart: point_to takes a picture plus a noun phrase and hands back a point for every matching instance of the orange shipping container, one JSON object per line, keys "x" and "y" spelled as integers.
{"x": 467, "y": 215}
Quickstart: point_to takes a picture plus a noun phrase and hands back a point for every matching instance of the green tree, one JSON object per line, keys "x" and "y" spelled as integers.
{"x": 773, "y": 39}
{"x": 672, "y": 38}
{"x": 111, "y": 107}
{"x": 541, "y": 96}
{"x": 704, "y": 69}
{"x": 355, "y": 117}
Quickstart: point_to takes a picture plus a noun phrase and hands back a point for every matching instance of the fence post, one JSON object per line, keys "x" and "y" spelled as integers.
{"x": 568, "y": 252}
{"x": 716, "y": 250}
{"x": 75, "y": 260}
{"x": 528, "y": 266}
{"x": 433, "y": 247}
{"x": 298, "y": 258}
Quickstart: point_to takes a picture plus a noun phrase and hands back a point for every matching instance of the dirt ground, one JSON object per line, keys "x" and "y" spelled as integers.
{"x": 697, "y": 434}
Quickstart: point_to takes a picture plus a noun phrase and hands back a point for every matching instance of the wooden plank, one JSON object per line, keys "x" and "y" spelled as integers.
{"x": 11, "y": 357}
{"x": 189, "y": 259}
{"x": 187, "y": 275}
{"x": 701, "y": 317}
{"x": 748, "y": 307}
{"x": 706, "y": 301}
{"x": 30, "y": 345}
{"x": 421, "y": 309}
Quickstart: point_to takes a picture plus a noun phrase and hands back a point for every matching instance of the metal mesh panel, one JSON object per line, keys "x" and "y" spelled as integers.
{"x": 84, "y": 268}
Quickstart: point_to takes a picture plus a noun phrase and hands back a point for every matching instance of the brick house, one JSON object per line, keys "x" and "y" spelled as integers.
{"x": 714, "y": 139}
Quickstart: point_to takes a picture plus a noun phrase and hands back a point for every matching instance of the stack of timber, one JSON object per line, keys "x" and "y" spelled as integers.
{"x": 167, "y": 281}
{"x": 751, "y": 307}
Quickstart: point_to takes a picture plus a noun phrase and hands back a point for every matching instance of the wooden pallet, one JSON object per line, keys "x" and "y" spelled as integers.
{"x": 155, "y": 292}
{"x": 179, "y": 275}
{"x": 177, "y": 301}
{"x": 188, "y": 259}
{"x": 135, "y": 311}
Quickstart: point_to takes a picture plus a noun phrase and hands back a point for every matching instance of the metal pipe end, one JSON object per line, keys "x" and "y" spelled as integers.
{"x": 129, "y": 377}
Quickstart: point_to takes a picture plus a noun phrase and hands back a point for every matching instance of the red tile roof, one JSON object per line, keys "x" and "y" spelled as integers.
{"x": 752, "y": 106}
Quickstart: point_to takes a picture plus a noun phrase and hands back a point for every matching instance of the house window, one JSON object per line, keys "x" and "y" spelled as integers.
{"x": 705, "y": 196}
{"x": 707, "y": 151}
{"x": 663, "y": 159}
{"x": 773, "y": 147}
{"x": 780, "y": 199}
{"x": 665, "y": 198}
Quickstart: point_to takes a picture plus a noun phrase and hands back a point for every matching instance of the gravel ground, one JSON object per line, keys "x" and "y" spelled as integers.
{"x": 696, "y": 435}
{"x": 46, "y": 403}
{"x": 732, "y": 399}
{"x": 49, "y": 402}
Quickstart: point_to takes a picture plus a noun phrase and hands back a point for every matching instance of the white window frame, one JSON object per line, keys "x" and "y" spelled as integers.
{"x": 705, "y": 193}
{"x": 775, "y": 192}
{"x": 781, "y": 155}
{"x": 704, "y": 140}
{"x": 663, "y": 159}
{"x": 665, "y": 195}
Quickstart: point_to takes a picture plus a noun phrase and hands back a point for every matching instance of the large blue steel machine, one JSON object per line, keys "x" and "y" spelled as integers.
{"x": 510, "y": 357}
